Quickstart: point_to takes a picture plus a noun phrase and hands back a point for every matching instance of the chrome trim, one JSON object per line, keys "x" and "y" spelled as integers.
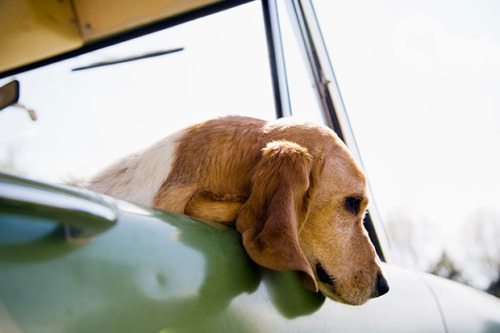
{"x": 305, "y": 19}
{"x": 276, "y": 59}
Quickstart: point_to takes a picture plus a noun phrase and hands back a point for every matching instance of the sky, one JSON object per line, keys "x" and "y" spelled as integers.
{"x": 419, "y": 80}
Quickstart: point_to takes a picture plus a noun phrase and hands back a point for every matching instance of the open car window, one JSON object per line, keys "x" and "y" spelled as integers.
{"x": 89, "y": 118}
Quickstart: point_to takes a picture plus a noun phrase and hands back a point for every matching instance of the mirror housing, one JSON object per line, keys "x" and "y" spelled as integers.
{"x": 9, "y": 94}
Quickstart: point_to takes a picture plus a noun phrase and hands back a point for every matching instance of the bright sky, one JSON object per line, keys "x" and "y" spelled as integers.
{"x": 420, "y": 80}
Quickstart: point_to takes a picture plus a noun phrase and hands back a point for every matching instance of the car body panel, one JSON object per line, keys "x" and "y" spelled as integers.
{"x": 157, "y": 270}
{"x": 465, "y": 309}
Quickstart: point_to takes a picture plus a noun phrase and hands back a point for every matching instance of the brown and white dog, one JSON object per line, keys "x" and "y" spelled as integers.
{"x": 292, "y": 190}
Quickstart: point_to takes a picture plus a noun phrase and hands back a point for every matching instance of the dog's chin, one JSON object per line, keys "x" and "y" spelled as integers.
{"x": 330, "y": 292}
{"x": 328, "y": 285}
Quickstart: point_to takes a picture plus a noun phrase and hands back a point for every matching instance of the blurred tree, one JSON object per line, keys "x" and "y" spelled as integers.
{"x": 446, "y": 267}
{"x": 479, "y": 265}
{"x": 494, "y": 287}
{"x": 403, "y": 243}
{"x": 8, "y": 163}
{"x": 482, "y": 235}
{"x": 411, "y": 241}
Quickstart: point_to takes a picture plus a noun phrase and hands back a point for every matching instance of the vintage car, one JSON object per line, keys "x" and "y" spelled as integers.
{"x": 77, "y": 261}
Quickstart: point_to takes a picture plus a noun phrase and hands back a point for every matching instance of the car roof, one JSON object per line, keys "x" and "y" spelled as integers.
{"x": 38, "y": 32}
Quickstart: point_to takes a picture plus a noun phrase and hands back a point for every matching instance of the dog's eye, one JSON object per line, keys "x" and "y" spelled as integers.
{"x": 352, "y": 204}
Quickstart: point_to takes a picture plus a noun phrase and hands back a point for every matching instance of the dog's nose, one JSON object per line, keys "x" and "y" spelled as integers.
{"x": 381, "y": 286}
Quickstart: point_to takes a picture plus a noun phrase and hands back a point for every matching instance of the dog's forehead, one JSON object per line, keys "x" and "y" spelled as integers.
{"x": 342, "y": 169}
{"x": 341, "y": 172}
{"x": 291, "y": 125}
{"x": 314, "y": 137}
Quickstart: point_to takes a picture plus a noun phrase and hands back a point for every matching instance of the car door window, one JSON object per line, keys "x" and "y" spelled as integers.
{"x": 88, "y": 118}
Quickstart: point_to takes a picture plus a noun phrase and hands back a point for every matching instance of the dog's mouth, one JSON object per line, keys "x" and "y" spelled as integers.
{"x": 323, "y": 275}
{"x": 328, "y": 287}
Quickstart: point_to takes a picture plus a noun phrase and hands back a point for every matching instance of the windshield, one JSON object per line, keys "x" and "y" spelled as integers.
{"x": 89, "y": 118}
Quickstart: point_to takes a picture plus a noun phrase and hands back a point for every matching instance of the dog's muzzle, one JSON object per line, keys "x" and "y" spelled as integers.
{"x": 381, "y": 285}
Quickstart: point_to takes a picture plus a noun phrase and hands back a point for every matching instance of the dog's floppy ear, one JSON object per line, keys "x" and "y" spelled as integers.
{"x": 272, "y": 217}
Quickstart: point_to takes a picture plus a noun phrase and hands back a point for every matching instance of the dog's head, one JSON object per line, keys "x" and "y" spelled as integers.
{"x": 305, "y": 213}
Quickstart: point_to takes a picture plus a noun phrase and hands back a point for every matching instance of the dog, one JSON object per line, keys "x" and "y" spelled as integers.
{"x": 292, "y": 189}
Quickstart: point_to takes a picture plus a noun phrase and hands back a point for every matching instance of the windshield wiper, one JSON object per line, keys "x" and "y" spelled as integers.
{"x": 127, "y": 59}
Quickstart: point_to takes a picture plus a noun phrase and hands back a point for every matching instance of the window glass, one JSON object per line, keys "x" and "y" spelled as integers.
{"x": 420, "y": 82}
{"x": 304, "y": 102}
{"x": 89, "y": 118}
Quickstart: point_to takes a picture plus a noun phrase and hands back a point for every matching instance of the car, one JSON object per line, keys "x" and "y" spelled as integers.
{"x": 77, "y": 261}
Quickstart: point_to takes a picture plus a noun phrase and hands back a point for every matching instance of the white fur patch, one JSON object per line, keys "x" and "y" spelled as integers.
{"x": 138, "y": 177}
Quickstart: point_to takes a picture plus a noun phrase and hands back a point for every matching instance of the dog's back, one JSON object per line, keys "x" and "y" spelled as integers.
{"x": 136, "y": 177}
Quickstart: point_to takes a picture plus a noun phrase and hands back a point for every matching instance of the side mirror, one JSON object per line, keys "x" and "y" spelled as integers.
{"x": 9, "y": 94}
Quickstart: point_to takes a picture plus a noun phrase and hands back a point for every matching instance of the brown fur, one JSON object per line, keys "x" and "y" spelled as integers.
{"x": 284, "y": 186}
